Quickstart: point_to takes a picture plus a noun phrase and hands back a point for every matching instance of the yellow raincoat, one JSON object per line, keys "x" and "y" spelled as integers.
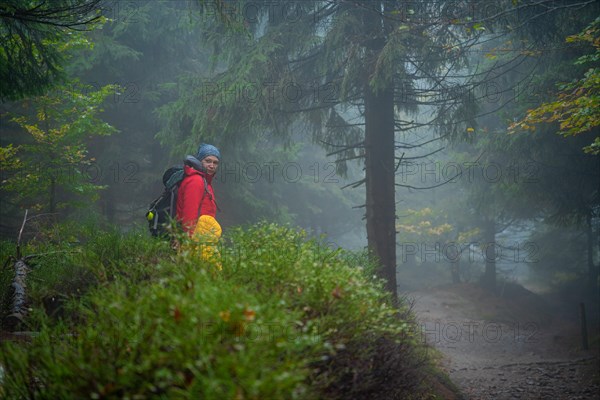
{"x": 207, "y": 235}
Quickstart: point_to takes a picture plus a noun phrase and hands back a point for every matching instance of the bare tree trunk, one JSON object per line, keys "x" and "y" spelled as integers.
{"x": 379, "y": 157}
{"x": 592, "y": 269}
{"x": 455, "y": 271}
{"x": 379, "y": 170}
{"x": 52, "y": 205}
{"x": 489, "y": 252}
{"x": 18, "y": 309}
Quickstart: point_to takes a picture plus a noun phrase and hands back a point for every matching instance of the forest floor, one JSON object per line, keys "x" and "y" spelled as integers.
{"x": 516, "y": 345}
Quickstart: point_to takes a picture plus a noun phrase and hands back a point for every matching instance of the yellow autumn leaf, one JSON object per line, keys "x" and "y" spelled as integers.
{"x": 225, "y": 315}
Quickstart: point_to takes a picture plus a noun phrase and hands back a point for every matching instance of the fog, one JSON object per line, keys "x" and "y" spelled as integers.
{"x": 406, "y": 128}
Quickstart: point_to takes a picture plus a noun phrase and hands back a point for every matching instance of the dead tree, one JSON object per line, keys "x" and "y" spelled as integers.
{"x": 18, "y": 303}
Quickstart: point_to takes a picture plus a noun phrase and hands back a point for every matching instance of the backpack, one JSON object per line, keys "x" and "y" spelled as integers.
{"x": 161, "y": 212}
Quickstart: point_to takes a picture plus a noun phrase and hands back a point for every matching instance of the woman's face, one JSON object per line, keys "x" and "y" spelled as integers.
{"x": 210, "y": 163}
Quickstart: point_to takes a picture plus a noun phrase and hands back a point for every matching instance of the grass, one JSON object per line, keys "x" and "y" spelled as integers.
{"x": 286, "y": 318}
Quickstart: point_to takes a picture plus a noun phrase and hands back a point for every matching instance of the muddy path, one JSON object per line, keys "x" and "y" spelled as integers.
{"x": 516, "y": 346}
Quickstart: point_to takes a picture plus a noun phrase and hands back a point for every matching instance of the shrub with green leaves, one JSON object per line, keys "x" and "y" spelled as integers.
{"x": 69, "y": 258}
{"x": 286, "y": 318}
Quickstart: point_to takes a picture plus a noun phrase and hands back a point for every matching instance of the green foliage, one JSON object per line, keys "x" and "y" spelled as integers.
{"x": 423, "y": 224}
{"x": 577, "y": 104}
{"x": 70, "y": 258}
{"x": 277, "y": 322}
{"x": 58, "y": 125}
{"x": 33, "y": 35}
{"x": 317, "y": 280}
{"x": 182, "y": 336}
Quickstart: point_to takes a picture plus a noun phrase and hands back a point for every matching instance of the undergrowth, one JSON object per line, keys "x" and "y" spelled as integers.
{"x": 286, "y": 318}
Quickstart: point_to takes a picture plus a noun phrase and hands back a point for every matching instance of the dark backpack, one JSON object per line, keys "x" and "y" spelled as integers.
{"x": 161, "y": 212}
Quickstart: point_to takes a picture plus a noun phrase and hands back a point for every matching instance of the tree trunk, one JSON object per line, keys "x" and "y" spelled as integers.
{"x": 592, "y": 269}
{"x": 489, "y": 253}
{"x": 52, "y": 205}
{"x": 380, "y": 183}
{"x": 18, "y": 309}
{"x": 455, "y": 271}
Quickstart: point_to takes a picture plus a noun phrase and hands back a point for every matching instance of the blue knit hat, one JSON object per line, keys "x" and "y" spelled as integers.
{"x": 206, "y": 150}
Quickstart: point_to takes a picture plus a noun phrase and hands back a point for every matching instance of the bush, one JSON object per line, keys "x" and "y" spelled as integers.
{"x": 71, "y": 258}
{"x": 286, "y": 318}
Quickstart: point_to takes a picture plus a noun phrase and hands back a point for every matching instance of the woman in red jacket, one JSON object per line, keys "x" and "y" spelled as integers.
{"x": 196, "y": 204}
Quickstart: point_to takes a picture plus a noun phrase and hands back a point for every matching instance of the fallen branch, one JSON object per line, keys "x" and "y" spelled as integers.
{"x": 17, "y": 310}
{"x": 21, "y": 234}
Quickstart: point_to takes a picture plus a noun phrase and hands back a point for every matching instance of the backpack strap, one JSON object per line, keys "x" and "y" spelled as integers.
{"x": 210, "y": 195}
{"x": 173, "y": 204}
{"x": 206, "y": 192}
{"x": 203, "y": 194}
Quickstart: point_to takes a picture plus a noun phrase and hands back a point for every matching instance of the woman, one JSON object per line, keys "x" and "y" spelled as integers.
{"x": 196, "y": 204}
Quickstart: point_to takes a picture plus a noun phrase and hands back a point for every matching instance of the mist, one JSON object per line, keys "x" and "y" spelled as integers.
{"x": 455, "y": 142}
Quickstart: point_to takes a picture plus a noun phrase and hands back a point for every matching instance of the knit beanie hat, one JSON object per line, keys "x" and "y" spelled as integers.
{"x": 206, "y": 150}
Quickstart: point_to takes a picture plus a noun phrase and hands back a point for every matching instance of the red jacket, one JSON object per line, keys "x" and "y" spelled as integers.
{"x": 191, "y": 197}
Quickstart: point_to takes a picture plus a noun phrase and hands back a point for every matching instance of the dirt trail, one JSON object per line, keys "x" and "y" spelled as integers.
{"x": 509, "y": 347}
